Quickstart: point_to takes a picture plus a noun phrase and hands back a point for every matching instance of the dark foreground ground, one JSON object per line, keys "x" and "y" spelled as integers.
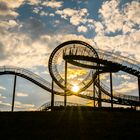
{"x": 73, "y": 124}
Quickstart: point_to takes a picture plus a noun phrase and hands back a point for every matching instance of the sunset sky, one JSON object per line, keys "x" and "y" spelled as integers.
{"x": 31, "y": 29}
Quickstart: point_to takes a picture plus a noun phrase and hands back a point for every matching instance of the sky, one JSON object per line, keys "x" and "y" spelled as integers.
{"x": 31, "y": 29}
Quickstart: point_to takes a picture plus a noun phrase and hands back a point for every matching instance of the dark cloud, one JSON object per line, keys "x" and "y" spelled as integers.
{"x": 33, "y": 27}
{"x": 3, "y": 7}
{"x": 7, "y": 13}
{"x": 2, "y": 53}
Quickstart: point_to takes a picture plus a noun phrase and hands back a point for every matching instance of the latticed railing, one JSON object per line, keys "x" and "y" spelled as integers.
{"x": 125, "y": 61}
{"x": 30, "y": 76}
{"x": 58, "y": 103}
{"x": 116, "y": 94}
{"x": 40, "y": 81}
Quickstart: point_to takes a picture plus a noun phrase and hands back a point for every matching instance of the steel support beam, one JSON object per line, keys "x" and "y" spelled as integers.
{"x": 94, "y": 103}
{"x": 99, "y": 90}
{"x": 139, "y": 87}
{"x": 93, "y": 92}
{"x": 52, "y": 95}
{"x": 111, "y": 89}
{"x": 65, "y": 96}
{"x": 14, "y": 91}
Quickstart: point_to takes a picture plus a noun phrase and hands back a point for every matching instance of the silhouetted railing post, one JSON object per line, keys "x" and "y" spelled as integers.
{"x": 65, "y": 96}
{"x": 93, "y": 94}
{"x": 14, "y": 91}
{"x": 111, "y": 89}
{"x": 93, "y": 91}
{"x": 139, "y": 87}
{"x": 99, "y": 90}
{"x": 52, "y": 95}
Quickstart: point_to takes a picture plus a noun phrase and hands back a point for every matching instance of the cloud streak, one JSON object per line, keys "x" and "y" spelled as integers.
{"x": 20, "y": 94}
{"x": 53, "y": 4}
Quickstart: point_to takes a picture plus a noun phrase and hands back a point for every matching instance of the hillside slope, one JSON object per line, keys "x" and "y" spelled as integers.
{"x": 70, "y": 124}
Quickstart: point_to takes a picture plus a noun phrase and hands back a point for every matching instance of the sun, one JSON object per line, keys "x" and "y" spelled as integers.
{"x": 75, "y": 88}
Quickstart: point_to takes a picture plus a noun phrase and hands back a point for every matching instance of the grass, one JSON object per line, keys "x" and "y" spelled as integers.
{"x": 72, "y": 123}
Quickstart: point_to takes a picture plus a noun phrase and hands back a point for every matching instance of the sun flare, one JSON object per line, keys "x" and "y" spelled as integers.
{"x": 75, "y": 88}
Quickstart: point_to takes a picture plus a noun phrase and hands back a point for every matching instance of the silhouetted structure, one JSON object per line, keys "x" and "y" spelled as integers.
{"x": 81, "y": 54}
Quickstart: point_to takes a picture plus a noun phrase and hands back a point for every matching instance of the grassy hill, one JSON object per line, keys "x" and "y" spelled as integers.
{"x": 72, "y": 123}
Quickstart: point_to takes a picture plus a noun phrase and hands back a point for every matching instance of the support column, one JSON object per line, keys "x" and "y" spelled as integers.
{"x": 93, "y": 91}
{"x": 14, "y": 91}
{"x": 65, "y": 96}
{"x": 111, "y": 89}
{"x": 139, "y": 87}
{"x": 100, "y": 96}
{"x": 52, "y": 95}
{"x": 94, "y": 94}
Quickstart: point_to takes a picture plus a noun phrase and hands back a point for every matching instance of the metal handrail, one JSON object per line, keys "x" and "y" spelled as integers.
{"x": 58, "y": 103}
{"x": 106, "y": 55}
{"x": 42, "y": 81}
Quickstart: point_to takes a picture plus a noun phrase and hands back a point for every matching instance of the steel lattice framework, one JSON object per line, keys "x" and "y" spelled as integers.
{"x": 82, "y": 54}
{"x": 56, "y": 57}
{"x": 100, "y": 61}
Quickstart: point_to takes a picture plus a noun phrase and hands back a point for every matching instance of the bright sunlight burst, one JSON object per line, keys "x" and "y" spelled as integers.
{"x": 75, "y": 88}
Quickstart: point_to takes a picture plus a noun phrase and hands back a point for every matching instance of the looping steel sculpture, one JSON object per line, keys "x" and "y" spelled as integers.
{"x": 56, "y": 62}
{"x": 80, "y": 54}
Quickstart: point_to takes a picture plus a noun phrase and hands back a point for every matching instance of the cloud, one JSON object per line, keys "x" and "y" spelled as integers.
{"x": 75, "y": 73}
{"x": 82, "y": 29}
{"x": 67, "y": 37}
{"x": 126, "y": 87}
{"x": 34, "y": 2}
{"x": 126, "y": 45}
{"x": 104, "y": 76}
{"x": 6, "y": 12}
{"x": 3, "y": 97}
{"x": 111, "y": 16}
{"x": 75, "y": 16}
{"x": 55, "y": 40}
{"x": 125, "y": 76}
{"x": 22, "y": 106}
{"x": 3, "y": 6}
{"x": 132, "y": 11}
{"x": 76, "y": 20}
{"x": 20, "y": 94}
{"x": 128, "y": 27}
{"x": 53, "y": 4}
{"x": 42, "y": 13}
{"x": 33, "y": 27}
{"x": 115, "y": 19}
{"x": 27, "y": 52}
{"x": 67, "y": 12}
{"x": 2, "y": 53}
{"x": 2, "y": 88}
{"x": 13, "y": 4}
{"x": 99, "y": 28}
{"x": 37, "y": 9}
{"x": 8, "y": 24}
{"x": 4, "y": 104}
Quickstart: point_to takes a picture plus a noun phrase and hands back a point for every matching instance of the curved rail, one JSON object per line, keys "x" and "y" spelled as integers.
{"x": 125, "y": 64}
{"x": 118, "y": 59}
{"x": 105, "y": 89}
{"x": 29, "y": 76}
{"x": 108, "y": 62}
{"x": 47, "y": 105}
{"x": 73, "y": 46}
{"x": 47, "y": 86}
